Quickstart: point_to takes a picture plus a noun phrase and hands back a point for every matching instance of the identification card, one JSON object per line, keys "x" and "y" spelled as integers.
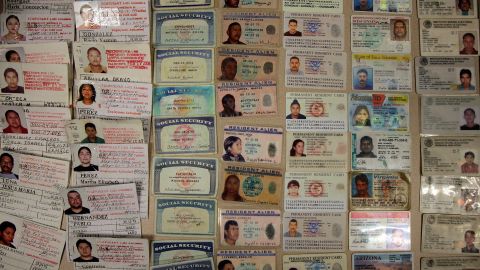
{"x": 315, "y": 151}
{"x": 175, "y": 4}
{"x": 252, "y": 144}
{"x": 113, "y": 62}
{"x": 382, "y": 72}
{"x": 450, "y": 195}
{"x": 449, "y": 263}
{"x": 402, "y": 261}
{"x": 14, "y": 259}
{"x": 104, "y": 131}
{"x": 250, "y": 28}
{"x": 104, "y": 225}
{"x": 39, "y": 53}
{"x": 384, "y": 6}
{"x": 315, "y": 69}
{"x": 446, "y": 75}
{"x": 129, "y": 253}
{"x": 379, "y": 112}
{"x": 105, "y": 164}
{"x": 450, "y": 114}
{"x": 379, "y": 231}
{"x": 249, "y": 228}
{"x": 38, "y": 7}
{"x": 320, "y": 31}
{"x": 238, "y": 64}
{"x": 447, "y": 9}
{"x": 372, "y": 151}
{"x": 185, "y": 217}
{"x": 202, "y": 264}
{"x": 321, "y": 111}
{"x": 112, "y": 21}
{"x": 185, "y": 135}
{"x": 257, "y": 98}
{"x": 112, "y": 99}
{"x": 379, "y": 191}
{"x": 313, "y": 191}
{"x": 182, "y": 101}
{"x": 311, "y": 232}
{"x": 265, "y": 4}
{"x": 168, "y": 252}
{"x": 380, "y": 34}
{"x": 332, "y": 6}
{"x": 185, "y": 176}
{"x": 183, "y": 66}
{"x": 113, "y": 200}
{"x": 43, "y": 244}
{"x": 42, "y": 85}
{"x": 448, "y": 37}
{"x": 176, "y": 29}
{"x": 333, "y": 261}
{"x": 38, "y": 28}
{"x": 450, "y": 234}
{"x": 251, "y": 185}
{"x": 449, "y": 155}
{"x": 250, "y": 259}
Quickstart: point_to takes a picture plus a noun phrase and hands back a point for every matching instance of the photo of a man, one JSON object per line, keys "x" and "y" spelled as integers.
{"x": 469, "y": 166}
{"x": 469, "y": 242}
{"x": 94, "y": 57}
{"x": 295, "y": 111}
{"x": 231, "y": 232}
{"x": 362, "y": 5}
{"x": 399, "y": 30}
{"x": 11, "y": 78}
{"x": 362, "y": 187}
{"x": 363, "y": 80}
{"x": 234, "y": 33}
{"x": 229, "y": 69}
{"x": 468, "y": 40}
{"x": 231, "y": 3}
{"x": 464, "y": 7}
{"x": 294, "y": 65}
{"x": 469, "y": 117}
{"x": 228, "y": 103}
{"x": 6, "y": 165}
{"x": 366, "y": 148}
{"x": 75, "y": 202}
{"x": 85, "y": 250}
{"x": 85, "y": 157}
{"x": 292, "y": 29}
{"x": 91, "y": 131}
{"x": 87, "y": 15}
{"x": 14, "y": 123}
{"x": 397, "y": 240}
{"x": 465, "y": 80}
{"x": 292, "y": 229}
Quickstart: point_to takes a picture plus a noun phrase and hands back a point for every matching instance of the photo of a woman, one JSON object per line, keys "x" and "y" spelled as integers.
{"x": 13, "y": 26}
{"x": 86, "y": 97}
{"x": 7, "y": 233}
{"x": 298, "y": 146}
{"x": 233, "y": 149}
{"x": 361, "y": 116}
{"x": 231, "y": 190}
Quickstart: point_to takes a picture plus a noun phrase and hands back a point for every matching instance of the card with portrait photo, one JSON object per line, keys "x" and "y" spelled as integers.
{"x": 381, "y": 72}
{"x": 320, "y": 6}
{"x": 168, "y": 252}
{"x": 105, "y": 164}
{"x": 383, "y": 6}
{"x": 316, "y": 111}
{"x": 446, "y": 75}
{"x": 185, "y": 217}
{"x": 403, "y": 261}
{"x": 250, "y": 28}
{"x": 333, "y": 261}
{"x": 450, "y": 194}
{"x": 107, "y": 253}
{"x": 447, "y": 9}
{"x": 449, "y": 263}
{"x": 379, "y": 191}
{"x": 241, "y": 64}
{"x": 449, "y": 37}
{"x": 379, "y": 231}
{"x": 251, "y": 185}
{"x": 450, "y": 155}
{"x": 249, "y": 228}
{"x": 313, "y": 31}
{"x": 257, "y": 259}
{"x": 182, "y": 101}
{"x": 257, "y": 98}
{"x": 450, "y": 234}
{"x": 380, "y": 34}
{"x": 313, "y": 231}
{"x": 309, "y": 69}
{"x": 38, "y": 53}
{"x": 113, "y": 62}
{"x": 312, "y": 191}
{"x": 450, "y": 114}
{"x": 104, "y": 131}
{"x": 252, "y": 144}
{"x": 184, "y": 176}
{"x": 112, "y": 21}
{"x": 43, "y": 244}
{"x": 317, "y": 151}
{"x": 375, "y": 151}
